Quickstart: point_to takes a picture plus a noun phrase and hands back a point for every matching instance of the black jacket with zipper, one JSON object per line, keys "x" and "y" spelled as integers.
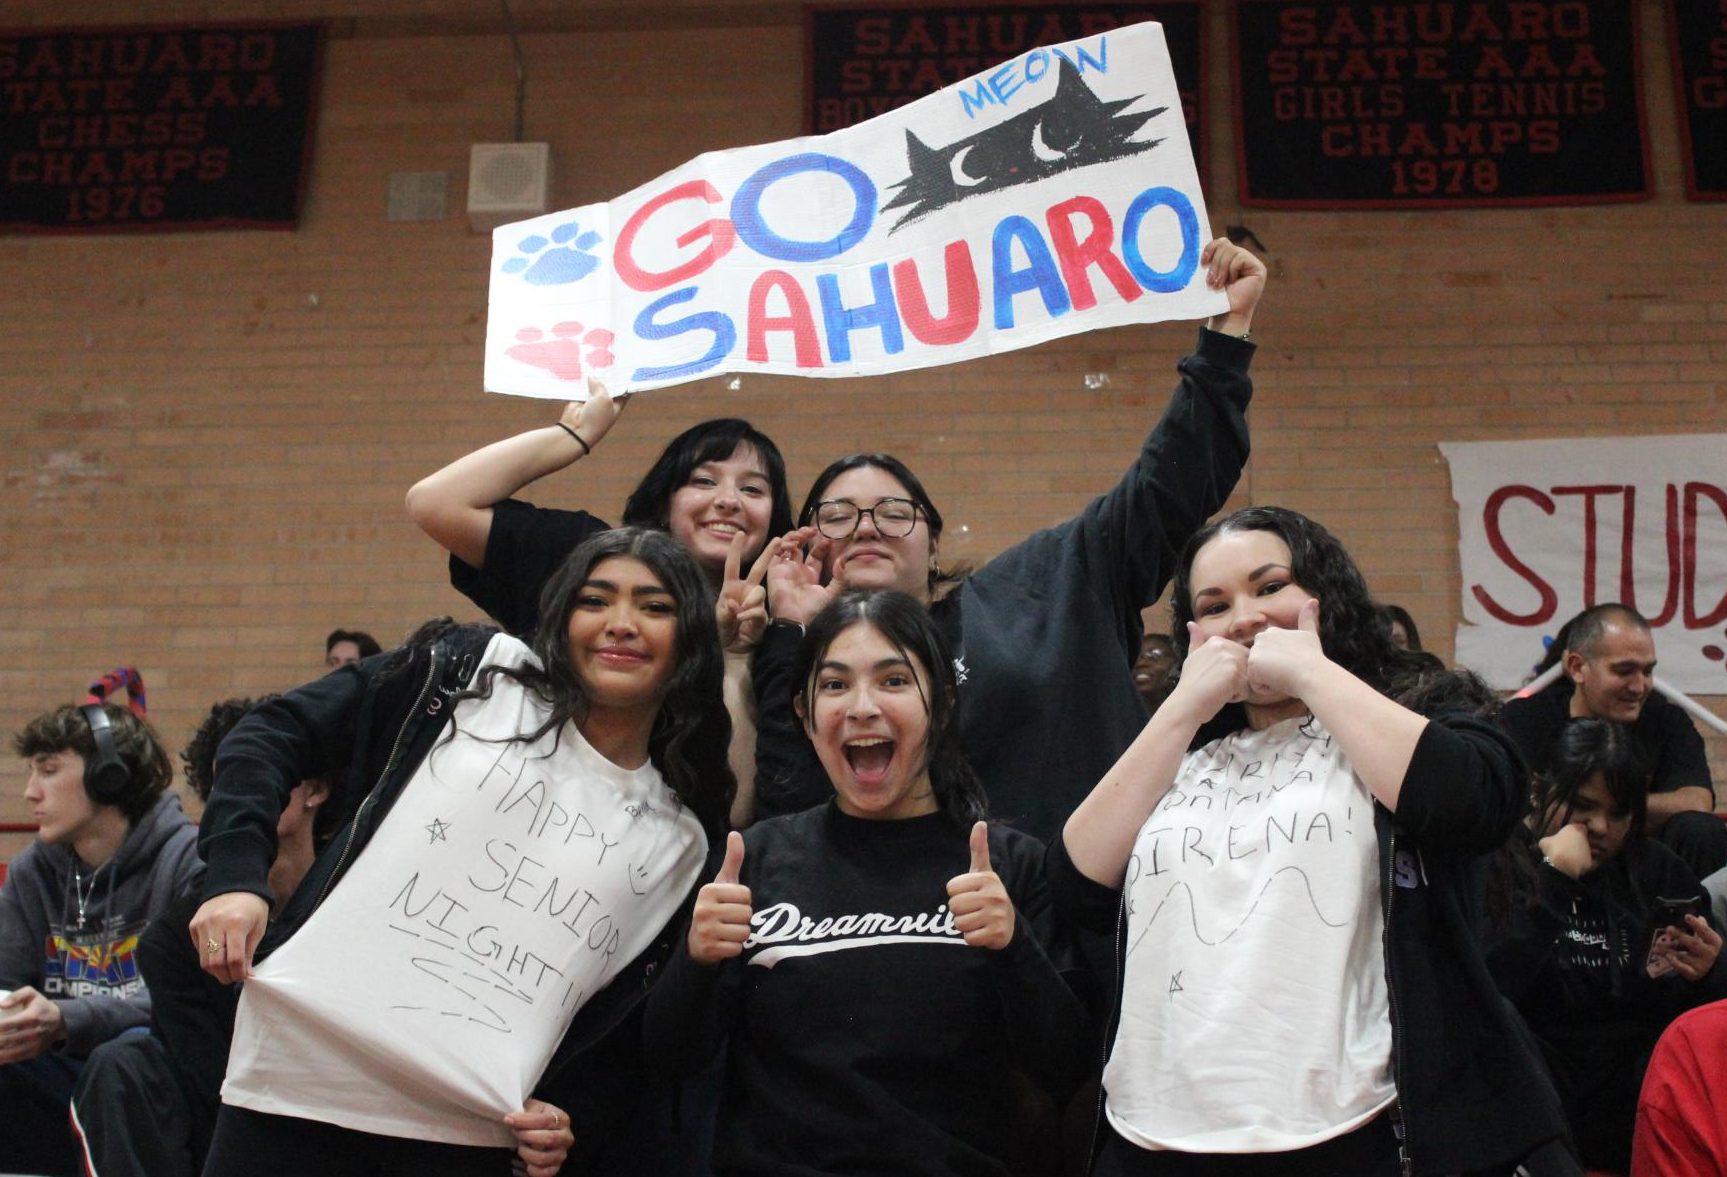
{"x": 1472, "y": 1092}
{"x": 368, "y": 726}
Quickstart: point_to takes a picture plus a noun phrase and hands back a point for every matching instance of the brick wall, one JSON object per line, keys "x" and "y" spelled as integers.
{"x": 210, "y": 433}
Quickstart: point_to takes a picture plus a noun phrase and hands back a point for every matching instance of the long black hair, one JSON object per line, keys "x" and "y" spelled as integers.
{"x": 908, "y": 628}
{"x": 692, "y": 731}
{"x": 1584, "y": 749}
{"x": 1587, "y": 748}
{"x": 1396, "y": 615}
{"x": 1352, "y": 631}
{"x": 914, "y": 489}
{"x": 650, "y": 504}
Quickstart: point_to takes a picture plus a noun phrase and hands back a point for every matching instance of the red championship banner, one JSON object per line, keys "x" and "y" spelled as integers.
{"x": 156, "y": 128}
{"x": 865, "y": 61}
{"x": 1697, "y": 32}
{"x": 1454, "y": 103}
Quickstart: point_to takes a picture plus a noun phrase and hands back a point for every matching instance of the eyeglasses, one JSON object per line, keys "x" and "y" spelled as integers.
{"x": 893, "y": 518}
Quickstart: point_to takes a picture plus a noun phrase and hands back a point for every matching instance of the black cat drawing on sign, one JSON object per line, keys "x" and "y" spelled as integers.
{"x": 1071, "y": 129}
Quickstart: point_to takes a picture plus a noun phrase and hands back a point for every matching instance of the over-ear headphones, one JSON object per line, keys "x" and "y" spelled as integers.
{"x": 105, "y": 774}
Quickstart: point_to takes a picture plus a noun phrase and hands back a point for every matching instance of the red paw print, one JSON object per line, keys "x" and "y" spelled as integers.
{"x": 564, "y": 352}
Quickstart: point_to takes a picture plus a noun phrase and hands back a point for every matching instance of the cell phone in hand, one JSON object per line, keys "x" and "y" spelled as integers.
{"x": 1667, "y": 913}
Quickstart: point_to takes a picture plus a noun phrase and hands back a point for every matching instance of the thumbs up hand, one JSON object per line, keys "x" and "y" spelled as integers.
{"x": 1281, "y": 661}
{"x": 979, "y": 903}
{"x": 721, "y": 922}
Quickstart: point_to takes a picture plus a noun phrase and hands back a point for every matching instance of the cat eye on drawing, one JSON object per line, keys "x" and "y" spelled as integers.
{"x": 1073, "y": 128}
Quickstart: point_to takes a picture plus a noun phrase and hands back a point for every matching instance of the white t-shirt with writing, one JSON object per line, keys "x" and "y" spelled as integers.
{"x": 1254, "y": 1009}
{"x": 507, "y": 885}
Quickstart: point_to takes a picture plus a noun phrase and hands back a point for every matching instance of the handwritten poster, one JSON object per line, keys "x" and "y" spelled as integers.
{"x": 1492, "y": 102}
{"x": 156, "y": 128}
{"x": 1548, "y": 528}
{"x": 507, "y": 885}
{"x": 1052, "y": 195}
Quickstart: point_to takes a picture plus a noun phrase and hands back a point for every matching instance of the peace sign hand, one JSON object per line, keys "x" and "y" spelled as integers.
{"x": 741, "y": 609}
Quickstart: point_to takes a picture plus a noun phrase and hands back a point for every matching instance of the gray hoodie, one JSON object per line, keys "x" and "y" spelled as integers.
{"x": 91, "y": 968}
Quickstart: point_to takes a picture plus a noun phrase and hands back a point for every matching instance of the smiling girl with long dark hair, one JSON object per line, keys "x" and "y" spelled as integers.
{"x": 533, "y": 818}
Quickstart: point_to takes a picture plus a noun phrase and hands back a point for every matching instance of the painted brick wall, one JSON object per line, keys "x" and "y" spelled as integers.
{"x": 209, "y": 434}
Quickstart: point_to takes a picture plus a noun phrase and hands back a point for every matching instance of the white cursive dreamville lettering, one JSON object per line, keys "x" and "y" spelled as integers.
{"x": 787, "y": 932}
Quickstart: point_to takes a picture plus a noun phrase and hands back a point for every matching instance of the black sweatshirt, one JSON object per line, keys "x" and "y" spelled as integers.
{"x": 864, "y": 1035}
{"x": 1044, "y": 636}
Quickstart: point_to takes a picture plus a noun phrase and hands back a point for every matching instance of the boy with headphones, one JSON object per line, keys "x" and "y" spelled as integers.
{"x": 113, "y": 849}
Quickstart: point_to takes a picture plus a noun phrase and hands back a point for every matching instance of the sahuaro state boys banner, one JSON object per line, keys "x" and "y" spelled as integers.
{"x": 861, "y": 61}
{"x": 1698, "y": 33}
{"x": 1052, "y": 195}
{"x": 156, "y": 128}
{"x": 1490, "y": 102}
{"x": 1548, "y": 528}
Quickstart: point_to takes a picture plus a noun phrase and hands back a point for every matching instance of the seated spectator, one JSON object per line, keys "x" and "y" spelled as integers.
{"x": 1609, "y": 657}
{"x": 1577, "y": 950}
{"x": 1404, "y": 635}
{"x": 344, "y": 646}
{"x": 1682, "y": 1113}
{"x": 1154, "y": 669}
{"x": 146, "y": 1103}
{"x": 112, "y": 850}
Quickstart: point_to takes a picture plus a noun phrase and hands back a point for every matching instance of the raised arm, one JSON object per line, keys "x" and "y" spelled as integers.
{"x": 1241, "y": 276}
{"x": 1123, "y": 545}
{"x": 454, "y": 505}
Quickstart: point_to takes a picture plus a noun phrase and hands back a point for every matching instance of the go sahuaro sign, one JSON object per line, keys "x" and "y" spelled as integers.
{"x": 156, "y": 128}
{"x": 1449, "y": 103}
{"x": 1052, "y": 195}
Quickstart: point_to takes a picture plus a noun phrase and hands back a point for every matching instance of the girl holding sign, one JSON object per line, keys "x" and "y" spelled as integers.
{"x": 1046, "y": 633}
{"x": 885, "y": 966}
{"x": 1290, "y": 859}
{"x": 716, "y": 481}
{"x": 534, "y": 817}
{"x": 719, "y": 488}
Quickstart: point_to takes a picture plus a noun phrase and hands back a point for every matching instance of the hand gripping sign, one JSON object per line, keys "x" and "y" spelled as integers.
{"x": 1052, "y": 195}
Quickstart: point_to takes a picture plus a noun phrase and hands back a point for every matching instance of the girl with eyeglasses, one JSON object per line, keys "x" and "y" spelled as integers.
{"x": 1045, "y": 635}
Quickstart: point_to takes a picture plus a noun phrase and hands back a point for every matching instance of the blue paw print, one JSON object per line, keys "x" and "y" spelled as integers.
{"x": 559, "y": 266}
